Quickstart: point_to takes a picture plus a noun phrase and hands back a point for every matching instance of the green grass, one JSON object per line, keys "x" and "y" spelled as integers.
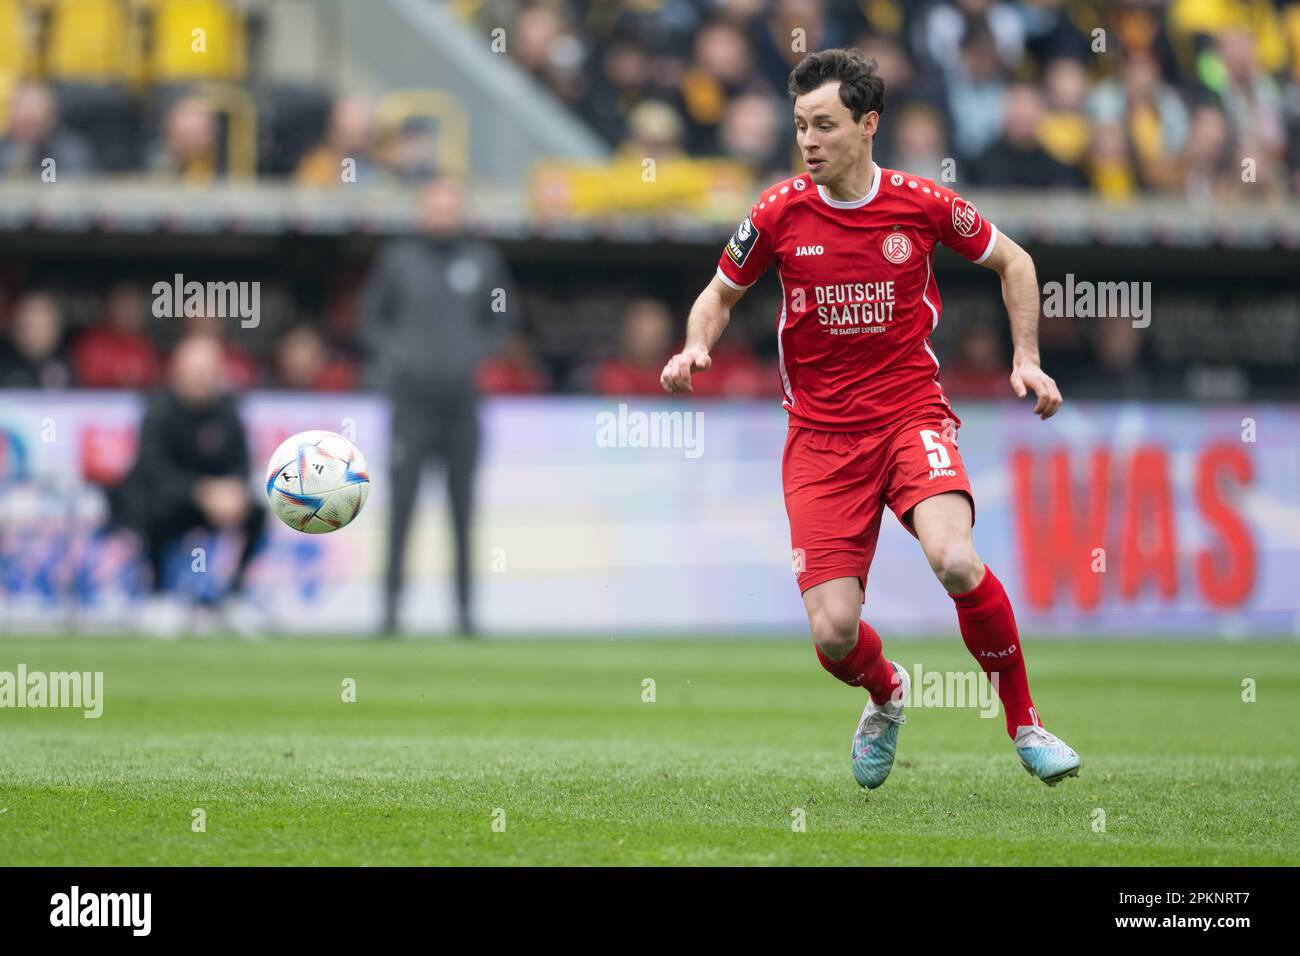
{"x": 555, "y": 733}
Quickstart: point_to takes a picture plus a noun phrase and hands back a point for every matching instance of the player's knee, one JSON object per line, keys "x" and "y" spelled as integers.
{"x": 956, "y": 565}
{"x": 834, "y": 631}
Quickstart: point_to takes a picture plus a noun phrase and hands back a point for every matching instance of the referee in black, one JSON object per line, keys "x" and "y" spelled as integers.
{"x": 434, "y": 305}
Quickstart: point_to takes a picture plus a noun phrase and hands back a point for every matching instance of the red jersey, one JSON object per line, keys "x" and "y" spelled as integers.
{"x": 858, "y": 294}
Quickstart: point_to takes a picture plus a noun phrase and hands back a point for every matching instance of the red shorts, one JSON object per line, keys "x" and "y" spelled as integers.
{"x": 837, "y": 484}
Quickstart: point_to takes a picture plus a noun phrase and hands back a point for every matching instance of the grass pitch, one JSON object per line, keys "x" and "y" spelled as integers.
{"x": 553, "y": 740}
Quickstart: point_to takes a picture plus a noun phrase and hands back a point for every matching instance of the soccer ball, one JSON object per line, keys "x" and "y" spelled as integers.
{"x": 317, "y": 482}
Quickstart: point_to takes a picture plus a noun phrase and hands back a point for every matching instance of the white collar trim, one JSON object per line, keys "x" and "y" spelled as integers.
{"x": 853, "y": 203}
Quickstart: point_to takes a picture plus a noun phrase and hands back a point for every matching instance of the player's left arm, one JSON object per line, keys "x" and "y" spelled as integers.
{"x": 1020, "y": 293}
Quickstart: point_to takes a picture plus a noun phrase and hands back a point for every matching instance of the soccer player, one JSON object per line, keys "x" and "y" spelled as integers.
{"x": 869, "y": 422}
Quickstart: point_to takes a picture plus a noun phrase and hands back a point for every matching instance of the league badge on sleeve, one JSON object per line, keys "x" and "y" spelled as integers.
{"x": 742, "y": 241}
{"x": 965, "y": 218}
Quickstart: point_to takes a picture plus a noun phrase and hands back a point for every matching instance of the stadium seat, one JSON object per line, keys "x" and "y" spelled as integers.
{"x": 180, "y": 53}
{"x": 92, "y": 42}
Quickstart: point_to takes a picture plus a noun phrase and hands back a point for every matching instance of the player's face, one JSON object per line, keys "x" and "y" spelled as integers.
{"x": 831, "y": 143}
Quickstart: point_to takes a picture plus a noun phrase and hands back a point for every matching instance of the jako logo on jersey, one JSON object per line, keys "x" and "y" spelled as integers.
{"x": 1004, "y": 653}
{"x": 965, "y": 218}
{"x": 942, "y": 473}
{"x": 799, "y": 184}
{"x": 897, "y": 248}
{"x": 896, "y": 179}
{"x": 810, "y": 250}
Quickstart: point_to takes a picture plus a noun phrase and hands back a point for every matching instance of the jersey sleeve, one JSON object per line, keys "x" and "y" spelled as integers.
{"x": 748, "y": 252}
{"x": 961, "y": 227}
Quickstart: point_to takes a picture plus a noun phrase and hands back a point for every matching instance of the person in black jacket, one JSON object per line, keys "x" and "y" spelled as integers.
{"x": 192, "y": 467}
{"x": 435, "y": 305}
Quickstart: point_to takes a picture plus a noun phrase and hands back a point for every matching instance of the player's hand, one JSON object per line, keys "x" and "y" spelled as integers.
{"x": 676, "y": 376}
{"x": 1028, "y": 377}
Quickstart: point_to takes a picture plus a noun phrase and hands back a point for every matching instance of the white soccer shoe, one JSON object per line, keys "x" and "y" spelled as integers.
{"x": 876, "y": 738}
{"x": 1045, "y": 756}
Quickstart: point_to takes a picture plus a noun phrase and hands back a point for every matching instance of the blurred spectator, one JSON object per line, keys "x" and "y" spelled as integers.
{"x": 34, "y": 355}
{"x": 1017, "y": 159}
{"x": 435, "y": 305}
{"x": 974, "y": 93}
{"x": 647, "y": 335}
{"x": 34, "y": 136}
{"x": 655, "y": 131}
{"x": 719, "y": 71}
{"x": 515, "y": 371}
{"x": 980, "y": 368}
{"x": 189, "y": 148}
{"x": 239, "y": 366}
{"x": 350, "y": 137}
{"x": 1118, "y": 372}
{"x": 1252, "y": 102}
{"x": 791, "y": 30}
{"x": 119, "y": 352}
{"x": 1109, "y": 167}
{"x": 1206, "y": 168}
{"x": 1151, "y": 115}
{"x": 1050, "y": 31}
{"x": 1065, "y": 131}
{"x": 1193, "y": 21}
{"x": 1064, "y": 349}
{"x": 948, "y": 24}
{"x": 192, "y": 471}
{"x": 623, "y": 83}
{"x": 905, "y": 87}
{"x": 752, "y": 133}
{"x": 409, "y": 153}
{"x": 544, "y": 45}
{"x": 303, "y": 362}
{"x": 920, "y": 146}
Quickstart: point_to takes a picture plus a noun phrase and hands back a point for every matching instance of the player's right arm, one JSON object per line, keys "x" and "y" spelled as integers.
{"x": 744, "y": 259}
{"x": 709, "y": 316}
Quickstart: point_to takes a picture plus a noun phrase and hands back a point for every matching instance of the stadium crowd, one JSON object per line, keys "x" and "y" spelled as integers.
{"x": 1119, "y": 98}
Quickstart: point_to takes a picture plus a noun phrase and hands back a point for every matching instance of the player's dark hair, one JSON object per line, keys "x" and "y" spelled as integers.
{"x": 861, "y": 88}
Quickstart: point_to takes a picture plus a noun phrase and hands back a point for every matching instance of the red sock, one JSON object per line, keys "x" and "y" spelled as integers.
{"x": 865, "y": 665}
{"x": 988, "y": 626}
